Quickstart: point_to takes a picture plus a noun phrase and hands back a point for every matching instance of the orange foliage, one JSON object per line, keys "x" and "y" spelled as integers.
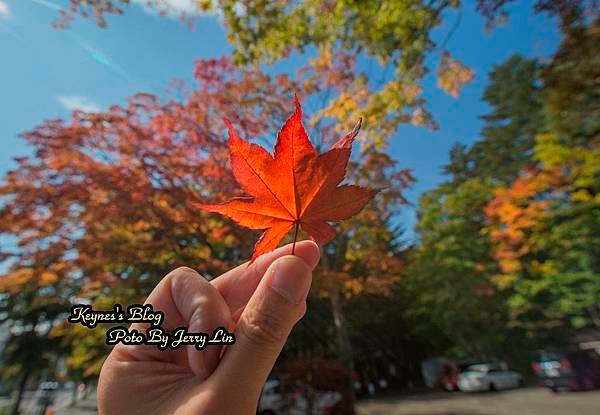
{"x": 514, "y": 214}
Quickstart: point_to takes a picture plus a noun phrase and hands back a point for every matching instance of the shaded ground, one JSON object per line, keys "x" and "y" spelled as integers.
{"x": 30, "y": 405}
{"x": 530, "y": 401}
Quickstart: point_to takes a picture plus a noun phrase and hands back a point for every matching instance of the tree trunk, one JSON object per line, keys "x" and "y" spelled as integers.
{"x": 594, "y": 311}
{"x": 345, "y": 346}
{"x": 75, "y": 394}
{"x": 310, "y": 392}
{"x": 17, "y": 405}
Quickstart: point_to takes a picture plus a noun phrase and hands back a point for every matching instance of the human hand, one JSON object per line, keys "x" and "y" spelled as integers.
{"x": 264, "y": 301}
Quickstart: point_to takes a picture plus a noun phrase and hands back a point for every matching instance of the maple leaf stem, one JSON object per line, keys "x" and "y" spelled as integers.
{"x": 295, "y": 237}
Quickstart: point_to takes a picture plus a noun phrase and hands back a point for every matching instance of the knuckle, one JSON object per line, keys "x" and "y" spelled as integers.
{"x": 181, "y": 278}
{"x": 183, "y": 271}
{"x": 264, "y": 328}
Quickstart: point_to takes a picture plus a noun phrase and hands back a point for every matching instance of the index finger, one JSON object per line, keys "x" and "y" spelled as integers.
{"x": 238, "y": 284}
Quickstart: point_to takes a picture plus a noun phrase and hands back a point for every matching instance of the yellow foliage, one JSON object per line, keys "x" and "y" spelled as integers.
{"x": 581, "y": 195}
{"x": 510, "y": 266}
{"x": 546, "y": 267}
{"x": 453, "y": 75}
{"x": 504, "y": 281}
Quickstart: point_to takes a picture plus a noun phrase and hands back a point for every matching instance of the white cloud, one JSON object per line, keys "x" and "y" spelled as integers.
{"x": 73, "y": 102}
{"x": 4, "y": 10}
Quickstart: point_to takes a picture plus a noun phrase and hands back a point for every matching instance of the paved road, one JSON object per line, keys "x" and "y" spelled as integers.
{"x": 530, "y": 401}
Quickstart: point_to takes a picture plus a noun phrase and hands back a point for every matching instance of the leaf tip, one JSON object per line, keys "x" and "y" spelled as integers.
{"x": 232, "y": 134}
{"x": 197, "y": 205}
{"x": 208, "y": 208}
{"x": 298, "y": 106}
{"x": 356, "y": 128}
{"x": 347, "y": 140}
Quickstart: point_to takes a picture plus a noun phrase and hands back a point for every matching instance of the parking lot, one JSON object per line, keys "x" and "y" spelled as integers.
{"x": 529, "y": 401}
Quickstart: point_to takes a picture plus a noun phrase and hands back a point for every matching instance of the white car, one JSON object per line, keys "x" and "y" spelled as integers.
{"x": 488, "y": 377}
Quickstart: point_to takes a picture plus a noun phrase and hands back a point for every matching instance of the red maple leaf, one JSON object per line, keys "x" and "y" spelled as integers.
{"x": 297, "y": 188}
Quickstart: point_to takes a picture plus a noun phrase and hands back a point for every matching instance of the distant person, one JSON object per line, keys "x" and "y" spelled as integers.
{"x": 371, "y": 389}
{"x": 383, "y": 384}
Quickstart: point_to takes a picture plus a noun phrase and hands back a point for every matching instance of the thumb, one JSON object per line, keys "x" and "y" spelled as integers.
{"x": 277, "y": 304}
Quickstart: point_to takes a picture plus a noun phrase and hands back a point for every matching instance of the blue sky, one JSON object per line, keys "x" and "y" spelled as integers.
{"x": 45, "y": 72}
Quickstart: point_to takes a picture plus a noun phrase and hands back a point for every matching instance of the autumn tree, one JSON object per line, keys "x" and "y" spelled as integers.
{"x": 450, "y": 270}
{"x": 544, "y": 224}
{"x": 100, "y": 212}
{"x": 514, "y": 227}
{"x": 364, "y": 260}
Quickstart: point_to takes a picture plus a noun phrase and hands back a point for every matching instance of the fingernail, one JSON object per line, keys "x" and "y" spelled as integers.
{"x": 291, "y": 278}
